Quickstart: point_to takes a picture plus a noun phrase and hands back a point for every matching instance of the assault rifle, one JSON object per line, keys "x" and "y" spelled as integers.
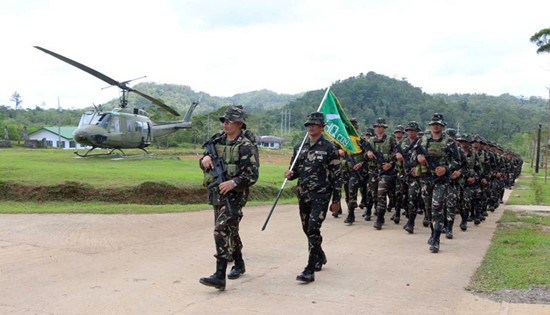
{"x": 406, "y": 158}
{"x": 432, "y": 164}
{"x": 379, "y": 157}
{"x": 218, "y": 171}
{"x": 351, "y": 160}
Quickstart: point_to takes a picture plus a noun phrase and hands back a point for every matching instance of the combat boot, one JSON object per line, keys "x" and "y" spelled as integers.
{"x": 379, "y": 220}
{"x": 239, "y": 268}
{"x": 217, "y": 280}
{"x": 434, "y": 248}
{"x": 464, "y": 222}
{"x": 449, "y": 232}
{"x": 426, "y": 221}
{"x": 409, "y": 227}
{"x": 397, "y": 216}
{"x": 351, "y": 216}
{"x": 306, "y": 276}
{"x": 322, "y": 260}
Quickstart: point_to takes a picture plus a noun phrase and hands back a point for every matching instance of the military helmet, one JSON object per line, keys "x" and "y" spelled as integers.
{"x": 412, "y": 125}
{"x": 463, "y": 137}
{"x": 369, "y": 132}
{"x": 354, "y": 122}
{"x": 234, "y": 113}
{"x": 315, "y": 118}
{"x": 399, "y": 128}
{"x": 451, "y": 132}
{"x": 380, "y": 122}
{"x": 437, "y": 118}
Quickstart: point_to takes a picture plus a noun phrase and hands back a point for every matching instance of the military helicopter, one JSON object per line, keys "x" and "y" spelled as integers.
{"x": 123, "y": 127}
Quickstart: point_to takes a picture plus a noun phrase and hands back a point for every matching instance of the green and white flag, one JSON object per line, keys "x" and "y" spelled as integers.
{"x": 339, "y": 128}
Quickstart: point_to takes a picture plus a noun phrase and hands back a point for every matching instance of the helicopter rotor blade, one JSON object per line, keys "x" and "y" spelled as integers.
{"x": 101, "y": 76}
{"x": 155, "y": 101}
{"x": 82, "y": 67}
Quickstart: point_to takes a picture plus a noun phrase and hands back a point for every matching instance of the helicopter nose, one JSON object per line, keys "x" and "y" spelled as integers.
{"x": 88, "y": 135}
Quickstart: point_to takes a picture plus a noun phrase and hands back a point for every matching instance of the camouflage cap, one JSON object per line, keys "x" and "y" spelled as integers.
{"x": 451, "y": 132}
{"x": 380, "y": 122}
{"x": 315, "y": 118}
{"x": 399, "y": 128}
{"x": 234, "y": 113}
{"x": 437, "y": 118}
{"x": 412, "y": 125}
{"x": 369, "y": 132}
{"x": 464, "y": 137}
{"x": 354, "y": 122}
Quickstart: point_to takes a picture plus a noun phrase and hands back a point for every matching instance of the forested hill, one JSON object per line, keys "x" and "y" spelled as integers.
{"x": 180, "y": 96}
{"x": 508, "y": 119}
{"x": 371, "y": 95}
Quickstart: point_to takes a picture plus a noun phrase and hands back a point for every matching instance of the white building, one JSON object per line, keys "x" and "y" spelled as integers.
{"x": 56, "y": 137}
{"x": 270, "y": 142}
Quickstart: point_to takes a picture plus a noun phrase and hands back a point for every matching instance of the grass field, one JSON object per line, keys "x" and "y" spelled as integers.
{"x": 48, "y": 167}
{"x": 519, "y": 255}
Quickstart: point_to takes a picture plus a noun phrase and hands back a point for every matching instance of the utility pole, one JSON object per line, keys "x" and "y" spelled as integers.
{"x": 538, "y": 150}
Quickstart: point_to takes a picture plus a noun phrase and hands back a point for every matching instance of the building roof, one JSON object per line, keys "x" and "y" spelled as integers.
{"x": 270, "y": 139}
{"x": 63, "y": 131}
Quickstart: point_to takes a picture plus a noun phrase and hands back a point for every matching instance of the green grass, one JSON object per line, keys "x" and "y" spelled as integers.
{"x": 177, "y": 167}
{"x": 13, "y": 207}
{"x": 519, "y": 255}
{"x": 53, "y": 167}
{"x": 530, "y": 190}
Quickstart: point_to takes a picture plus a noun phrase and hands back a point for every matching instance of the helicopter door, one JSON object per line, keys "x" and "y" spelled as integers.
{"x": 146, "y": 133}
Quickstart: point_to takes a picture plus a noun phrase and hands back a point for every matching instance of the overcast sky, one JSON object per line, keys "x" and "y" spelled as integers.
{"x": 288, "y": 46}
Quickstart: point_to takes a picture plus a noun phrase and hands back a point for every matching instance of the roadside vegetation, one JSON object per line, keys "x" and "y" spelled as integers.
{"x": 517, "y": 263}
{"x": 52, "y": 180}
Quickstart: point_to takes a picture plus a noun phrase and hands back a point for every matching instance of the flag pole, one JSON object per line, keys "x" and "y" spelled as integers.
{"x": 291, "y": 167}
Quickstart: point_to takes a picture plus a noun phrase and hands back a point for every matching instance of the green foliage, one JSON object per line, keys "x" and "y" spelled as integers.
{"x": 542, "y": 40}
{"x": 506, "y": 119}
{"x": 519, "y": 255}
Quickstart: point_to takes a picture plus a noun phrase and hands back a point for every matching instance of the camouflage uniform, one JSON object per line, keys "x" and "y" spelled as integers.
{"x": 399, "y": 186}
{"x": 455, "y": 192}
{"x": 381, "y": 179}
{"x": 368, "y": 197}
{"x": 411, "y": 184}
{"x": 472, "y": 177}
{"x": 444, "y": 153}
{"x": 240, "y": 157}
{"x": 318, "y": 170}
{"x": 354, "y": 179}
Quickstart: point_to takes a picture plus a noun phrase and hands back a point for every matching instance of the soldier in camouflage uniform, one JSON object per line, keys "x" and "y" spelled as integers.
{"x": 240, "y": 157}
{"x": 381, "y": 167}
{"x": 487, "y": 165}
{"x": 410, "y": 184}
{"x": 318, "y": 169}
{"x": 395, "y": 193}
{"x": 471, "y": 179}
{"x": 437, "y": 150}
{"x": 455, "y": 192}
{"x": 354, "y": 175}
{"x": 368, "y": 197}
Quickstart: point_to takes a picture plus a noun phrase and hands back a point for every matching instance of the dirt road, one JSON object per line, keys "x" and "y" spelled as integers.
{"x": 151, "y": 264}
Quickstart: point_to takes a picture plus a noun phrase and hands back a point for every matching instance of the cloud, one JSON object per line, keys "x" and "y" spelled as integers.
{"x": 229, "y": 47}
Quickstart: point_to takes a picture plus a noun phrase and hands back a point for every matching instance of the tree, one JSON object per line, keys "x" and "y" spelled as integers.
{"x": 16, "y": 98}
{"x": 542, "y": 40}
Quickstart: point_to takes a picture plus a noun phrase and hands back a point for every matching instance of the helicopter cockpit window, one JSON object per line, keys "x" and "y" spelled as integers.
{"x": 115, "y": 124}
{"x": 129, "y": 126}
{"x": 88, "y": 118}
{"x": 104, "y": 120}
{"x": 139, "y": 126}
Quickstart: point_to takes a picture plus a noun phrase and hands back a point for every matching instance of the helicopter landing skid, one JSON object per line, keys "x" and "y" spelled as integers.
{"x": 87, "y": 154}
{"x": 110, "y": 153}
